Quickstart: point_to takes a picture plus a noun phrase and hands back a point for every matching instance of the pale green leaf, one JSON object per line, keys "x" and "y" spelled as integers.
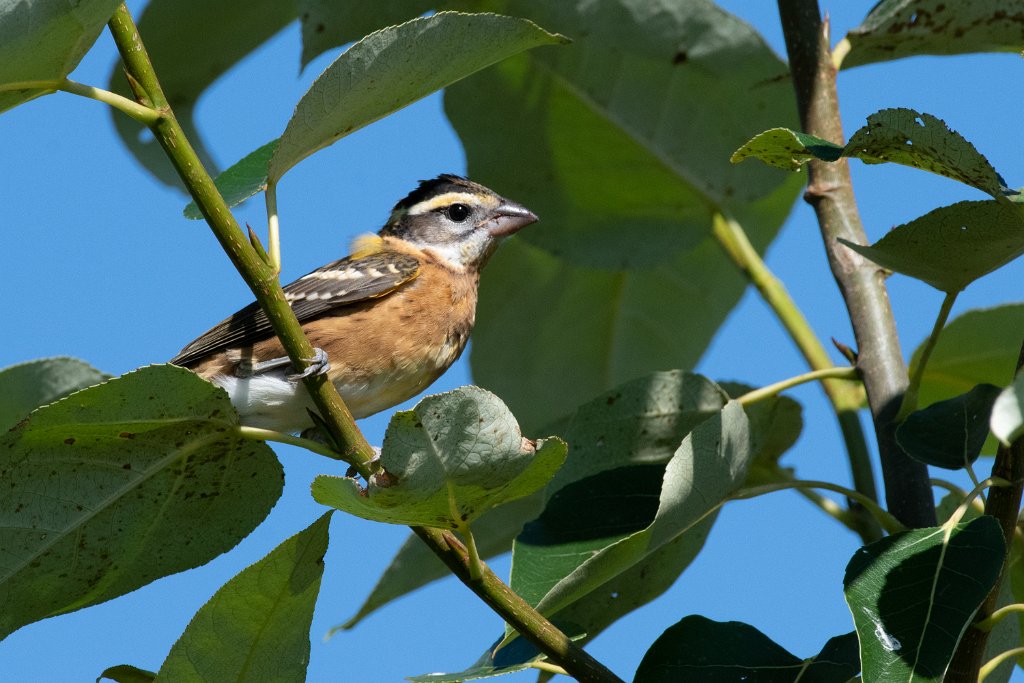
{"x": 446, "y": 461}
{"x": 395, "y": 67}
{"x": 191, "y": 44}
{"x": 45, "y": 40}
{"x": 120, "y": 484}
{"x": 913, "y": 594}
{"x": 699, "y": 649}
{"x": 786, "y": 149}
{"x": 951, "y": 246}
{"x": 895, "y": 29}
{"x": 1008, "y": 413}
{"x": 328, "y": 23}
{"x": 26, "y": 386}
{"x": 256, "y": 627}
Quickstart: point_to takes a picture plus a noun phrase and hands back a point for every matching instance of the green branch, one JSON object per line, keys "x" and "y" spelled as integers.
{"x": 262, "y": 279}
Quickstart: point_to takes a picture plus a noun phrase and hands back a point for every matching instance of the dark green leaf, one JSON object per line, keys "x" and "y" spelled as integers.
{"x": 327, "y": 23}
{"x": 952, "y": 246}
{"x": 256, "y": 627}
{"x": 189, "y": 56}
{"x": 243, "y": 180}
{"x": 120, "y": 484}
{"x": 446, "y": 461}
{"x": 905, "y": 28}
{"x": 913, "y": 594}
{"x": 701, "y": 650}
{"x": 904, "y": 136}
{"x": 26, "y": 386}
{"x": 45, "y": 40}
{"x": 395, "y": 67}
{"x": 949, "y": 433}
{"x": 126, "y": 673}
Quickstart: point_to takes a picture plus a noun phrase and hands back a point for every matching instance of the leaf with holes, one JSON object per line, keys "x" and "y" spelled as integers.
{"x": 120, "y": 484}
{"x": 895, "y": 29}
{"x": 699, "y": 649}
{"x": 447, "y": 461}
{"x": 913, "y": 594}
{"x": 949, "y": 433}
{"x": 952, "y": 246}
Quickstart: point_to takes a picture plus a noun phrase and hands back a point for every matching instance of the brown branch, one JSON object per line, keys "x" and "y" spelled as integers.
{"x": 861, "y": 282}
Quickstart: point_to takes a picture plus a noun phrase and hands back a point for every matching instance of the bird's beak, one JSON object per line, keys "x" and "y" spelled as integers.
{"x": 508, "y": 218}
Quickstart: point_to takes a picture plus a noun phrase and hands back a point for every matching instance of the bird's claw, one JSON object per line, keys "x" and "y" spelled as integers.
{"x": 318, "y": 365}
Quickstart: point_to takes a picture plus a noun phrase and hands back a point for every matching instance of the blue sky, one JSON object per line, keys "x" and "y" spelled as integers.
{"x": 99, "y": 264}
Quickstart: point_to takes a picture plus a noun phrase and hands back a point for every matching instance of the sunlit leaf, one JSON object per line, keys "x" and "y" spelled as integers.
{"x": 120, "y": 484}
{"x": 45, "y": 40}
{"x": 1008, "y": 413}
{"x": 787, "y": 149}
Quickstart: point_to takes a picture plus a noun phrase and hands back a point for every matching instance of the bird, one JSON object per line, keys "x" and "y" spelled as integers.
{"x": 386, "y": 320}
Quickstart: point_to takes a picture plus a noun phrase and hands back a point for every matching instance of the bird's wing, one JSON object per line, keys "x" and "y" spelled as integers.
{"x": 343, "y": 282}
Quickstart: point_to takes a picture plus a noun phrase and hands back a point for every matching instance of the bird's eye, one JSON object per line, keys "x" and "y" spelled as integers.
{"x": 457, "y": 212}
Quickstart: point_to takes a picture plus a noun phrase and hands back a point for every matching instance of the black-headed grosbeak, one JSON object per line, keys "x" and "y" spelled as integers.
{"x": 386, "y": 321}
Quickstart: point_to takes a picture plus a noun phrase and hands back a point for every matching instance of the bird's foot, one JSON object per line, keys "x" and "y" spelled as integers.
{"x": 318, "y": 365}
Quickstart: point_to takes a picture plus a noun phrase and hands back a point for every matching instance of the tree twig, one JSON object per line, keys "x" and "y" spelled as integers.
{"x": 861, "y": 282}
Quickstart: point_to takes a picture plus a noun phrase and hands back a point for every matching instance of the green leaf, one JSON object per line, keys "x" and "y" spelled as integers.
{"x": 708, "y": 466}
{"x": 395, "y": 67}
{"x": 26, "y": 386}
{"x": 775, "y": 425}
{"x": 126, "y": 673}
{"x": 120, "y": 484}
{"x": 699, "y": 649}
{"x": 45, "y": 40}
{"x": 895, "y": 29}
{"x": 243, "y": 180}
{"x": 786, "y": 149}
{"x": 446, "y": 461}
{"x": 952, "y": 246}
{"x": 1007, "y": 418}
{"x": 913, "y": 594}
{"x": 189, "y": 56}
{"x": 642, "y": 421}
{"x": 949, "y": 433}
{"x": 327, "y": 23}
{"x": 256, "y": 627}
{"x": 904, "y": 136}
{"x": 977, "y": 347}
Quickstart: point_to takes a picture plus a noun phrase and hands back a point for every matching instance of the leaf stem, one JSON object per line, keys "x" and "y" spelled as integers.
{"x": 993, "y": 664}
{"x": 548, "y": 667}
{"x": 845, "y": 402}
{"x": 258, "y": 434}
{"x": 140, "y": 112}
{"x": 989, "y": 622}
{"x": 887, "y": 521}
{"x": 778, "y": 387}
{"x": 273, "y": 226}
{"x": 910, "y": 397}
{"x": 862, "y": 283}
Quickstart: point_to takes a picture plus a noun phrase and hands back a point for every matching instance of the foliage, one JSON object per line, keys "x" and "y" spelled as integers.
{"x": 586, "y": 108}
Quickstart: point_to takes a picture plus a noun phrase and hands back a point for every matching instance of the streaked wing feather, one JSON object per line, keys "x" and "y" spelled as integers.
{"x": 343, "y": 282}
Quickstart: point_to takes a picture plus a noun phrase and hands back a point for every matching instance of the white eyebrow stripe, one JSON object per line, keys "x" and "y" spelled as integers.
{"x": 446, "y": 199}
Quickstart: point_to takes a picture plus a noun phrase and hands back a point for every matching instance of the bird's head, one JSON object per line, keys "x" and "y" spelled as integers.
{"x": 457, "y": 219}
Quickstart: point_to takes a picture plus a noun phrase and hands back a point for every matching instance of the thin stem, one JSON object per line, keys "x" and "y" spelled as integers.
{"x": 845, "y": 402}
{"x": 966, "y": 503}
{"x": 949, "y": 486}
{"x": 139, "y": 112}
{"x": 910, "y": 398}
{"x": 257, "y": 434}
{"x": 549, "y": 668}
{"x": 888, "y": 521}
{"x": 778, "y": 387}
{"x": 861, "y": 282}
{"x": 989, "y": 623}
{"x": 273, "y": 226}
{"x": 991, "y": 665}
{"x": 475, "y": 563}
{"x": 265, "y": 286}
